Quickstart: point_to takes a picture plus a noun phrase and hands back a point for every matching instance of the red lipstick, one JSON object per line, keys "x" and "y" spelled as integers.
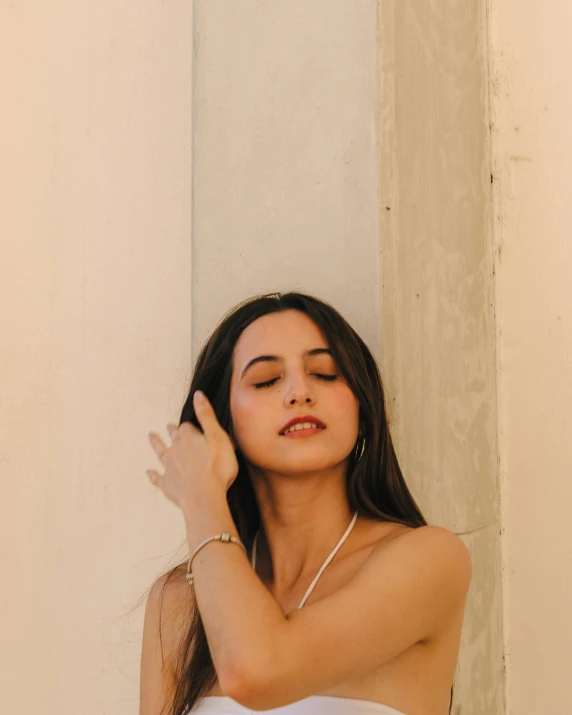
{"x": 304, "y": 418}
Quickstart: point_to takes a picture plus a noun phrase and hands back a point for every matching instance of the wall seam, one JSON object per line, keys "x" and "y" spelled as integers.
{"x": 192, "y": 159}
{"x": 494, "y": 227}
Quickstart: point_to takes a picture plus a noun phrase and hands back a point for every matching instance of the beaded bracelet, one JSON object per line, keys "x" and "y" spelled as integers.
{"x": 225, "y": 536}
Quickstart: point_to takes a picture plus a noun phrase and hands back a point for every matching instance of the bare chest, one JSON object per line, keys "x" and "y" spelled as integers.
{"x": 417, "y": 682}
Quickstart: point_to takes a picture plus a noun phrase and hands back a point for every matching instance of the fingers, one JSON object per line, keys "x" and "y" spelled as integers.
{"x": 158, "y": 445}
{"x": 211, "y": 430}
{"x": 172, "y": 428}
{"x": 155, "y": 478}
{"x": 206, "y": 416}
{"x": 160, "y": 449}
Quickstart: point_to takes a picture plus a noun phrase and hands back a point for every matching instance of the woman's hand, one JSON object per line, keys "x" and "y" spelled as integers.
{"x": 196, "y": 463}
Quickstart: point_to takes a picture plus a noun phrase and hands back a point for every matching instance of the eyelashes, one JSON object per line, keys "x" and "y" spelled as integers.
{"x": 269, "y": 383}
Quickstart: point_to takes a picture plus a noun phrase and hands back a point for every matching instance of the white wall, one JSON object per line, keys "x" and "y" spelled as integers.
{"x": 96, "y": 336}
{"x": 95, "y": 294}
{"x": 285, "y": 156}
{"x": 532, "y": 153}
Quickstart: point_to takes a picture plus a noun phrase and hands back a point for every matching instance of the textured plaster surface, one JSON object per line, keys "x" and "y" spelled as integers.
{"x": 285, "y": 159}
{"x": 531, "y": 97}
{"x": 437, "y": 298}
{"x": 328, "y": 159}
{"x": 479, "y": 682}
{"x": 95, "y": 302}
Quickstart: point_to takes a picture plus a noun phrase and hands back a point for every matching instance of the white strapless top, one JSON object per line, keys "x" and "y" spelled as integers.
{"x": 313, "y": 705}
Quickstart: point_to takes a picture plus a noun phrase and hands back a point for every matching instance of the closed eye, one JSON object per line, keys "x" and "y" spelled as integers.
{"x": 328, "y": 378}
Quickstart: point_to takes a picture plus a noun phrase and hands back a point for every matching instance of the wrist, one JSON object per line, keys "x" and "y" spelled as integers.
{"x": 207, "y": 515}
{"x": 198, "y": 501}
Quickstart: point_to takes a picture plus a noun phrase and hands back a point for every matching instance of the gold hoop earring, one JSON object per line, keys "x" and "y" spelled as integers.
{"x": 361, "y": 451}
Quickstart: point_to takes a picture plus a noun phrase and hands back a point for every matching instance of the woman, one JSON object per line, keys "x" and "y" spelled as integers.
{"x": 335, "y": 595}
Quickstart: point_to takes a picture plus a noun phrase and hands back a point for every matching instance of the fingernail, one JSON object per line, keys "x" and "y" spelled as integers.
{"x": 199, "y": 396}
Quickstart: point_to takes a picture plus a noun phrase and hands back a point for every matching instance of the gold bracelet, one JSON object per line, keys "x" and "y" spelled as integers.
{"x": 225, "y": 536}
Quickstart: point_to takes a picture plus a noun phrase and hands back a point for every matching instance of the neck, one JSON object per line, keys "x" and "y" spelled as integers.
{"x": 292, "y": 545}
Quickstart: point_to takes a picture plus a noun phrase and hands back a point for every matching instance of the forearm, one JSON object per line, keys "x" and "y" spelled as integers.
{"x": 242, "y": 620}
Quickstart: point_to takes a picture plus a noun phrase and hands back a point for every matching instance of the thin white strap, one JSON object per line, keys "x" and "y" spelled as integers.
{"x": 326, "y": 562}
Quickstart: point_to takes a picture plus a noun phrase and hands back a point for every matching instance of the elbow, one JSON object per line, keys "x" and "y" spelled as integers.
{"x": 252, "y": 690}
{"x": 256, "y": 680}
{"x": 241, "y": 688}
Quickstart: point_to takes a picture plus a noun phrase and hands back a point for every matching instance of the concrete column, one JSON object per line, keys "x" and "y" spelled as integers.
{"x": 437, "y": 299}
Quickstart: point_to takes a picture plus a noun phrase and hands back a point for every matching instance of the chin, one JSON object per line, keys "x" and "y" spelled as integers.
{"x": 299, "y": 464}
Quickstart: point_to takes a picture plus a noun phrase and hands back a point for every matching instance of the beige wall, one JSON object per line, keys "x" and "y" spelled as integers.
{"x": 532, "y": 152}
{"x": 285, "y": 156}
{"x": 437, "y": 297}
{"x": 320, "y": 148}
{"x": 96, "y": 336}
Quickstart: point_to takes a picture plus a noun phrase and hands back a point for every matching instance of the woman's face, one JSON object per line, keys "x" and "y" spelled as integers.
{"x": 289, "y": 382}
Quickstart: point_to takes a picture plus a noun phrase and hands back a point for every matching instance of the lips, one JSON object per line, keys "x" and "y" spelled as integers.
{"x": 304, "y": 418}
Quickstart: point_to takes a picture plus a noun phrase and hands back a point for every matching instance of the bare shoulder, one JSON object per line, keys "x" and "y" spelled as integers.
{"x": 430, "y": 536}
{"x": 433, "y": 551}
{"x": 165, "y": 603}
{"x": 171, "y": 602}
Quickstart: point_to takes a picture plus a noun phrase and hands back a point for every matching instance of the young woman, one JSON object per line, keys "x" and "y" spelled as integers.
{"x": 333, "y": 595}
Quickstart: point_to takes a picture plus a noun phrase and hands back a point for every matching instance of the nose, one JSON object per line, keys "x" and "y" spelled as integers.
{"x": 299, "y": 391}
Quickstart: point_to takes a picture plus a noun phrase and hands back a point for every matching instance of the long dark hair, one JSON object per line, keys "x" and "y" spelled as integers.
{"x": 375, "y": 486}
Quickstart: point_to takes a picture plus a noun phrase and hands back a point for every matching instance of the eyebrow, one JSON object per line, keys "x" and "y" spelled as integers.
{"x": 276, "y": 358}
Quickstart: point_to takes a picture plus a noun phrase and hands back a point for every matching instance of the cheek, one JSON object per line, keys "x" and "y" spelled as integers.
{"x": 247, "y": 415}
{"x": 347, "y": 404}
